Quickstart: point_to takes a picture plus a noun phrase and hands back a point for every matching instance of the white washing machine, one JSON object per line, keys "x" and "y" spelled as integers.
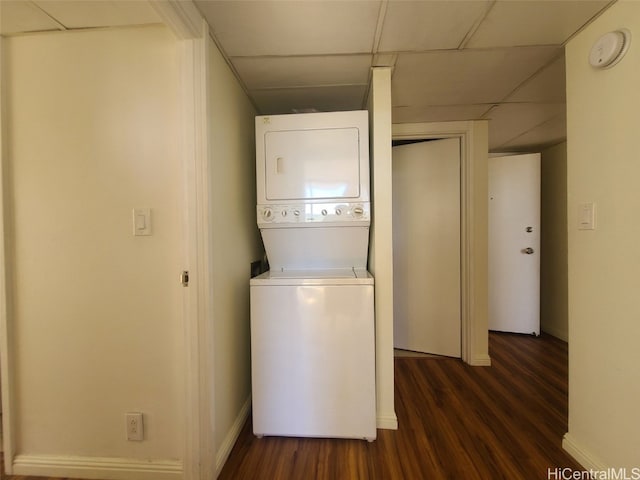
{"x": 312, "y": 316}
{"x": 313, "y": 360}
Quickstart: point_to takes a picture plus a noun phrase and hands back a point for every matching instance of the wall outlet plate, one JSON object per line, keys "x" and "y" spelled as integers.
{"x": 135, "y": 427}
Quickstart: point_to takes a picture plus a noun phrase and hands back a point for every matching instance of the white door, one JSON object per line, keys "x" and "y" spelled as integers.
{"x": 426, "y": 247}
{"x": 514, "y": 243}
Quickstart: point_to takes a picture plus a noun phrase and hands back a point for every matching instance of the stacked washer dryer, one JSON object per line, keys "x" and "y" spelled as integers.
{"x": 312, "y": 317}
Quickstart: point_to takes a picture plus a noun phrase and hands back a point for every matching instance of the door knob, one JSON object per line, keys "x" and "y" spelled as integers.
{"x": 528, "y": 250}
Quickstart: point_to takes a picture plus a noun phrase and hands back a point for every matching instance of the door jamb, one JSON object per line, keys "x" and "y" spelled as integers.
{"x": 6, "y": 372}
{"x": 473, "y": 229}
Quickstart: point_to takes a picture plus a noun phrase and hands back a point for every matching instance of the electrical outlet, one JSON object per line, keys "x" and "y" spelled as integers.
{"x": 135, "y": 428}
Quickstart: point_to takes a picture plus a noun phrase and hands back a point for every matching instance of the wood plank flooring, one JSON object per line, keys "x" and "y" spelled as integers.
{"x": 455, "y": 422}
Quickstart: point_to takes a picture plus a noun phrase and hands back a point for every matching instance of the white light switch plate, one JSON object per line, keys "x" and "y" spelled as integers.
{"x": 586, "y": 216}
{"x": 141, "y": 221}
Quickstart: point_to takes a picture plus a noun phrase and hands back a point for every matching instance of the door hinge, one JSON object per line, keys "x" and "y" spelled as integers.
{"x": 184, "y": 278}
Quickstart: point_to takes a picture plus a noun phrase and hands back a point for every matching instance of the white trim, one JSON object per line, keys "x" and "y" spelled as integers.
{"x": 232, "y": 436}
{"x": 182, "y": 17}
{"x": 465, "y": 131}
{"x": 480, "y": 361}
{"x": 97, "y": 467}
{"x": 199, "y": 388}
{"x": 585, "y": 458}
{"x": 186, "y": 22}
{"x": 387, "y": 422}
{"x": 6, "y": 374}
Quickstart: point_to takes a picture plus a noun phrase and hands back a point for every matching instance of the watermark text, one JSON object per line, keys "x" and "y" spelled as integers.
{"x": 606, "y": 474}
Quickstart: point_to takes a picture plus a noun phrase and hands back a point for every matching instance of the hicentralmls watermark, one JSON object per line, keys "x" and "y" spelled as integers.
{"x": 607, "y": 474}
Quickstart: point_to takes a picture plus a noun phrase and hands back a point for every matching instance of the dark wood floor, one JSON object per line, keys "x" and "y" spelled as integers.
{"x": 455, "y": 422}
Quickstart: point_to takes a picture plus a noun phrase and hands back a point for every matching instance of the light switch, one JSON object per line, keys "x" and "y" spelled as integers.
{"x": 141, "y": 221}
{"x": 586, "y": 216}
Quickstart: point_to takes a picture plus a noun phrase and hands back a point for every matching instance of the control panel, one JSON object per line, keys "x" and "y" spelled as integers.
{"x": 313, "y": 213}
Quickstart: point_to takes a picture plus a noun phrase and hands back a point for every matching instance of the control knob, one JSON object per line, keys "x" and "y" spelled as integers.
{"x": 358, "y": 211}
{"x": 267, "y": 214}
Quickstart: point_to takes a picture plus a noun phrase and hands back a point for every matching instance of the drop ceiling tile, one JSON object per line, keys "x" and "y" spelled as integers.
{"x": 323, "y": 99}
{"x": 509, "y": 121}
{"x": 533, "y": 22}
{"x": 99, "y": 13}
{"x": 384, "y": 59}
{"x": 438, "y": 113}
{"x": 546, "y": 86}
{"x": 432, "y": 25}
{"x": 549, "y": 133}
{"x": 281, "y": 72}
{"x": 464, "y": 76}
{"x": 21, "y": 16}
{"x": 248, "y": 28}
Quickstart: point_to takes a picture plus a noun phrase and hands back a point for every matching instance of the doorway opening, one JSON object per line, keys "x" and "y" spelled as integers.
{"x": 473, "y": 148}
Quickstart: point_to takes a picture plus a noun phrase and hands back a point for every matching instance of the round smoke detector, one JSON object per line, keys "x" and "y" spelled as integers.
{"x": 610, "y": 48}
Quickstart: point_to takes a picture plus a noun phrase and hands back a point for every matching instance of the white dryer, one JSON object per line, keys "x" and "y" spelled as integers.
{"x": 312, "y": 317}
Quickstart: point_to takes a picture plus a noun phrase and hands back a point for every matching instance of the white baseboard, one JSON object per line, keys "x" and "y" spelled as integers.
{"x": 387, "y": 422}
{"x": 232, "y": 436}
{"x": 581, "y": 455}
{"x": 97, "y": 467}
{"x": 480, "y": 361}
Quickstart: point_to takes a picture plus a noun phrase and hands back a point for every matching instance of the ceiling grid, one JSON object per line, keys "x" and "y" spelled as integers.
{"x": 499, "y": 60}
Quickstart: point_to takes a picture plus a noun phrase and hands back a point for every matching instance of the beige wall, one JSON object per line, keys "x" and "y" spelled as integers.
{"x": 235, "y": 244}
{"x": 604, "y": 311}
{"x": 553, "y": 243}
{"x": 96, "y": 326}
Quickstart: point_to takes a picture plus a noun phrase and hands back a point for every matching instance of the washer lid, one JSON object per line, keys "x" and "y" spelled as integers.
{"x": 314, "y": 277}
{"x": 323, "y": 273}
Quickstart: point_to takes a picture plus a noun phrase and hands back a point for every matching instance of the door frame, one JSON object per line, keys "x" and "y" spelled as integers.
{"x": 474, "y": 150}
{"x": 6, "y": 371}
{"x": 192, "y": 32}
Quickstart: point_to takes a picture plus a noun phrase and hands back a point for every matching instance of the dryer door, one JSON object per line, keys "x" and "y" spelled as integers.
{"x": 312, "y": 164}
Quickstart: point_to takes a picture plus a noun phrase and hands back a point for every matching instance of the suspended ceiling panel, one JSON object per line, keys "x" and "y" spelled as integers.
{"x": 34, "y": 16}
{"x": 548, "y": 133}
{"x": 433, "y": 25}
{"x": 529, "y": 22}
{"x": 465, "y": 76}
{"x": 546, "y": 86}
{"x": 438, "y": 113}
{"x": 99, "y": 13}
{"x": 508, "y": 121}
{"x": 20, "y": 16}
{"x": 279, "y": 72}
{"x": 248, "y": 28}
